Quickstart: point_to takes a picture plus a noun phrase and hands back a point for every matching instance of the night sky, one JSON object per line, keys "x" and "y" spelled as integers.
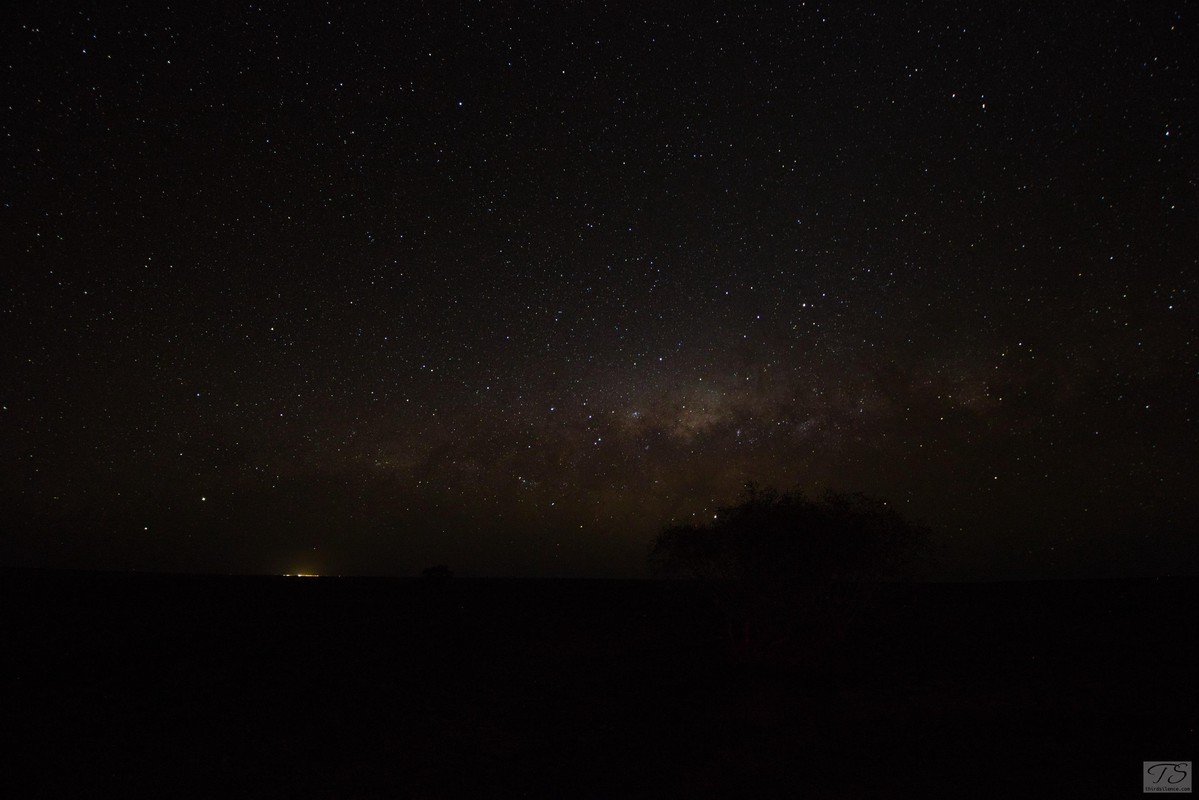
{"x": 358, "y": 289}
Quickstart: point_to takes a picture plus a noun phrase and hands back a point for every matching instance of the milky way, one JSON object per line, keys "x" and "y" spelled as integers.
{"x": 509, "y": 287}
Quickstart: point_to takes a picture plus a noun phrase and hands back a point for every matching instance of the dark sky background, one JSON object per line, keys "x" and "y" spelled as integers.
{"x": 351, "y": 288}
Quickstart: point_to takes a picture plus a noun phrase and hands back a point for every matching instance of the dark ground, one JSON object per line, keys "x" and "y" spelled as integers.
{"x": 167, "y": 686}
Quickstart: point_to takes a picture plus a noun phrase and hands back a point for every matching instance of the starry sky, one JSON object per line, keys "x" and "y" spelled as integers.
{"x": 359, "y": 288}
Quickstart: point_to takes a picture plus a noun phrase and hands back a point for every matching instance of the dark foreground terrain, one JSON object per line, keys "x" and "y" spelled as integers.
{"x": 166, "y": 686}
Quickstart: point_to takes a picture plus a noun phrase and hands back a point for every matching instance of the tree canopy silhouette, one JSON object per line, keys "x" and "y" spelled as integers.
{"x": 782, "y": 562}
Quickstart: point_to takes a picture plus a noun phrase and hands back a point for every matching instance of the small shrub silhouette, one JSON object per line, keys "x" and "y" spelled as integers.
{"x": 437, "y": 575}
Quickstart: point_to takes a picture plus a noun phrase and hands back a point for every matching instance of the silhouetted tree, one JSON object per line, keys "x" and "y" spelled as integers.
{"x": 788, "y": 571}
